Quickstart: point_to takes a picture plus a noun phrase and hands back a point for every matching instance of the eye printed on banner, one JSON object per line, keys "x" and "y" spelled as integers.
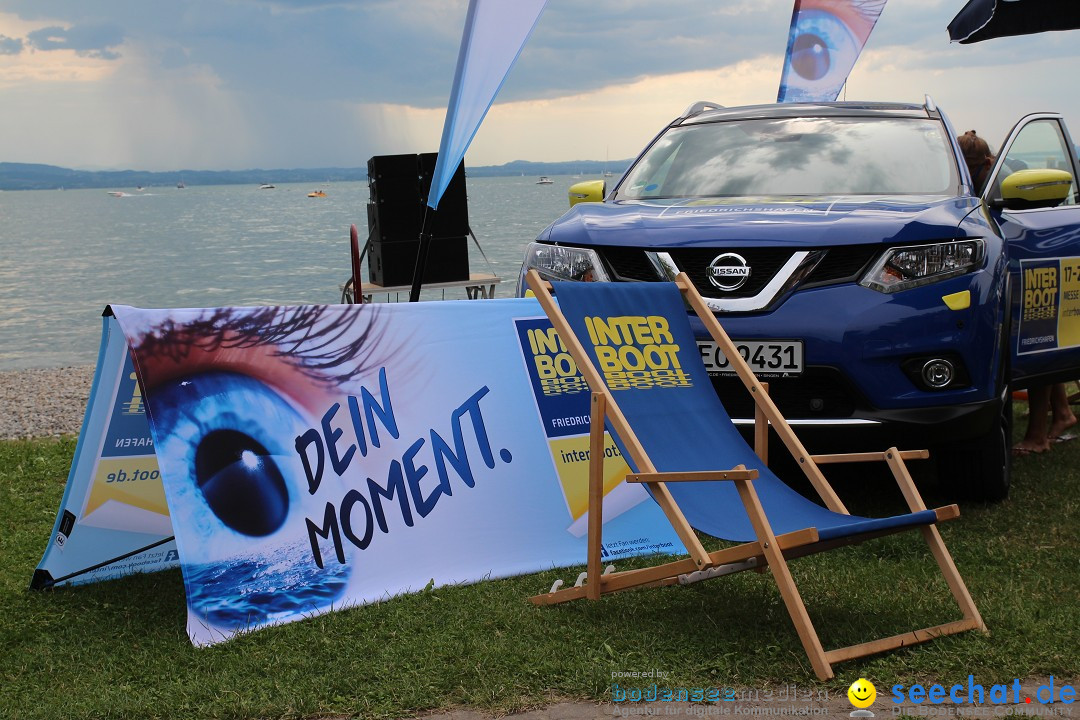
{"x": 286, "y": 435}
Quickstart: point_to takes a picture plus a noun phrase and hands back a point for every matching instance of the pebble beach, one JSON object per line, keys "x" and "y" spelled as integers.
{"x": 43, "y": 402}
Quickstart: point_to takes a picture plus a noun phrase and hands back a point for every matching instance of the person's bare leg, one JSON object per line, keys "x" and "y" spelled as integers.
{"x": 1061, "y": 415}
{"x": 1036, "y": 438}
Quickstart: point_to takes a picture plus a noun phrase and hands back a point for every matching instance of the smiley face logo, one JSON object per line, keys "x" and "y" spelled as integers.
{"x": 862, "y": 693}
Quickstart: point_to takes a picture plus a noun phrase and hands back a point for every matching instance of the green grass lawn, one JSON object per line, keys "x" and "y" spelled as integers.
{"x": 119, "y": 649}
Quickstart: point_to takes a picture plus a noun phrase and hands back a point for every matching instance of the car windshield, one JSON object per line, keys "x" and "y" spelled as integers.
{"x": 796, "y": 157}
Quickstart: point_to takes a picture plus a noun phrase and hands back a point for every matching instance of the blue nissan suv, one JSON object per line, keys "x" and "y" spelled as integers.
{"x": 844, "y": 249}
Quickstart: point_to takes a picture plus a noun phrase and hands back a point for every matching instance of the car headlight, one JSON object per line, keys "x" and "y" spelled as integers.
{"x": 903, "y": 268}
{"x": 558, "y": 262}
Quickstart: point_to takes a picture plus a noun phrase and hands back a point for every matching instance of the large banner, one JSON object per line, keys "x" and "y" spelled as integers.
{"x": 824, "y": 41}
{"x": 321, "y": 457}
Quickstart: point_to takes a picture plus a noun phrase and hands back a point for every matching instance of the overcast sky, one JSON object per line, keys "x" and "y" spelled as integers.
{"x": 239, "y": 84}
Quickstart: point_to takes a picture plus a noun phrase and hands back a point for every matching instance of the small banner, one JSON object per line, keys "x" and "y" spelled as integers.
{"x": 824, "y": 42}
{"x": 320, "y": 457}
{"x": 113, "y": 519}
{"x": 1050, "y": 311}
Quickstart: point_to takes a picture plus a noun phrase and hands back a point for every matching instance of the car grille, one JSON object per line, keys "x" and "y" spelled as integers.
{"x": 840, "y": 264}
{"x": 764, "y": 264}
{"x": 630, "y": 264}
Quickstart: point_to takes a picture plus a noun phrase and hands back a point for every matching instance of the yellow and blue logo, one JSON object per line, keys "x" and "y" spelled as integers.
{"x": 862, "y": 694}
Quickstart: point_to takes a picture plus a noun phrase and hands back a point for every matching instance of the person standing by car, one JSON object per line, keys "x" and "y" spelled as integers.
{"x": 978, "y": 157}
{"x": 1049, "y": 416}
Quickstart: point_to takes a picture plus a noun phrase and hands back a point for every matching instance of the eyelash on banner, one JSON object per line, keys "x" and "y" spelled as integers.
{"x": 309, "y": 337}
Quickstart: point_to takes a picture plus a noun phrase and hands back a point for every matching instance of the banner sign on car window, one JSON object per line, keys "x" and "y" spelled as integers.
{"x": 1049, "y": 305}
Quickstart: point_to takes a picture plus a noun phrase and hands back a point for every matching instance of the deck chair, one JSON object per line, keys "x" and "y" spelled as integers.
{"x": 635, "y": 347}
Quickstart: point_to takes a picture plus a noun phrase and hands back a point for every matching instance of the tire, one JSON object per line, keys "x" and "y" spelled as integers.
{"x": 979, "y": 469}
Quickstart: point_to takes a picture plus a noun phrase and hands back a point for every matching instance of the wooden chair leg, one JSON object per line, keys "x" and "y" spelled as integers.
{"x": 782, "y": 574}
{"x": 596, "y": 495}
{"x": 933, "y": 538}
{"x": 761, "y": 430}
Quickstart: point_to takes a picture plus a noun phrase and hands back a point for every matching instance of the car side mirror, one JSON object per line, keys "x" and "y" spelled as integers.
{"x": 587, "y": 191}
{"x": 1034, "y": 188}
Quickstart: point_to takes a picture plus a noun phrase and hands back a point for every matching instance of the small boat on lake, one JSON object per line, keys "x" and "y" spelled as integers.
{"x": 266, "y": 186}
{"x": 545, "y": 180}
{"x": 316, "y": 193}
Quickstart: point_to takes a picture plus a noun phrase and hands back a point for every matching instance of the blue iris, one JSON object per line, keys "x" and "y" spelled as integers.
{"x": 823, "y": 51}
{"x": 232, "y": 425}
{"x": 235, "y": 488}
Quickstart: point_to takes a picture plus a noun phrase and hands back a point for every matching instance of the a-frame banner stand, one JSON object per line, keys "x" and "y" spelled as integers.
{"x": 113, "y": 520}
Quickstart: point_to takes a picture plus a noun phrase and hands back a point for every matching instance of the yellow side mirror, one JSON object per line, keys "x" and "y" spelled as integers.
{"x": 587, "y": 191}
{"x": 1035, "y": 188}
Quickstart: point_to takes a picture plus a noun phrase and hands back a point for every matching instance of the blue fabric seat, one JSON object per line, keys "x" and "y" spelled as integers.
{"x": 683, "y": 426}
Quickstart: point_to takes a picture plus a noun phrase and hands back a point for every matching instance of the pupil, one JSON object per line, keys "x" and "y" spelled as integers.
{"x": 810, "y": 56}
{"x": 241, "y": 482}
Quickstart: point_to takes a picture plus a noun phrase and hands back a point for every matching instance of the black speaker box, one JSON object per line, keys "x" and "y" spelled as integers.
{"x": 393, "y": 263}
{"x": 393, "y": 166}
{"x": 396, "y": 221}
{"x": 398, "y": 186}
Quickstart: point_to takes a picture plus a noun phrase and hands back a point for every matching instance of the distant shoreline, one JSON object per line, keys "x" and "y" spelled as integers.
{"x": 29, "y": 176}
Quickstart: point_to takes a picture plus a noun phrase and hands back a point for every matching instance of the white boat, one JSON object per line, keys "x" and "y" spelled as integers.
{"x": 117, "y": 193}
{"x": 266, "y": 186}
{"x": 545, "y": 180}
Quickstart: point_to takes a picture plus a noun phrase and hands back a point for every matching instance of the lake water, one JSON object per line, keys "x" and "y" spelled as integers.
{"x": 65, "y": 255}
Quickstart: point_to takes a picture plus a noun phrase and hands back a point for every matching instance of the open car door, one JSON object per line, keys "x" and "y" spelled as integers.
{"x": 1032, "y": 193}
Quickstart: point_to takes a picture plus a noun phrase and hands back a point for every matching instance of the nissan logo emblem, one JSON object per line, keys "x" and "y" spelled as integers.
{"x": 728, "y": 271}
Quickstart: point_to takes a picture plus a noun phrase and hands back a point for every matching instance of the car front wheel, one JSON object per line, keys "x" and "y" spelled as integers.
{"x": 979, "y": 469}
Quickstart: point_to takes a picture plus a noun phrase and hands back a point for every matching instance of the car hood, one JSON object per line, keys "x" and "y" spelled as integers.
{"x": 802, "y": 222}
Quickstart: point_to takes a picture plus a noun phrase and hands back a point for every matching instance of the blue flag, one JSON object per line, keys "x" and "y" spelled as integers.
{"x": 825, "y": 39}
{"x": 495, "y": 33}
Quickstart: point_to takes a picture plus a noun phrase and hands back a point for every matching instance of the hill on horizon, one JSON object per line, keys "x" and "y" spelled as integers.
{"x": 33, "y": 176}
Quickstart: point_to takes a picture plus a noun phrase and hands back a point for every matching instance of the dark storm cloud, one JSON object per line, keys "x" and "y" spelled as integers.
{"x": 91, "y": 40}
{"x": 405, "y": 52}
{"x": 10, "y": 46}
{"x": 582, "y": 47}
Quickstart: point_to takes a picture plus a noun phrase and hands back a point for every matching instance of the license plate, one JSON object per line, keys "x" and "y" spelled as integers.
{"x": 767, "y": 358}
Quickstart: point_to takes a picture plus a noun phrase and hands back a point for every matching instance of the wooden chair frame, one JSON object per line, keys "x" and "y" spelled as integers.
{"x": 774, "y": 550}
